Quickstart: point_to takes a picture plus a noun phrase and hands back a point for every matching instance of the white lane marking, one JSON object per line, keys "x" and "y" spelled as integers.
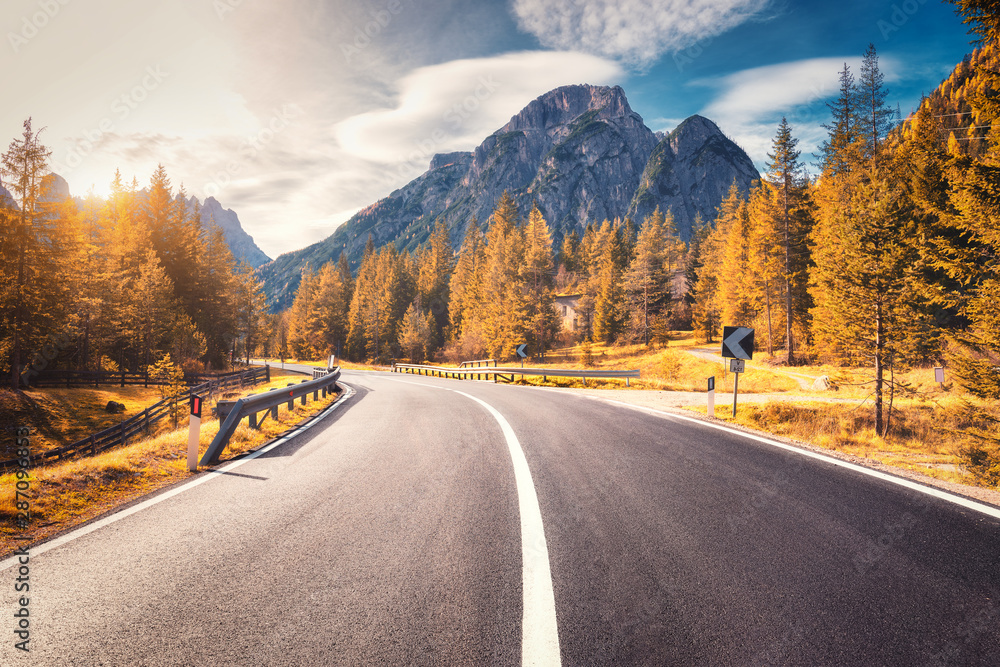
{"x": 539, "y": 631}
{"x": 91, "y": 527}
{"x": 900, "y": 481}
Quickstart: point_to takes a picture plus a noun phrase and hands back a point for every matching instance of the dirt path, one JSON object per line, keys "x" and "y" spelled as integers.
{"x": 710, "y": 354}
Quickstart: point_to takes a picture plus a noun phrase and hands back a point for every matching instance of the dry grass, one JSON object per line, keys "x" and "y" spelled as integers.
{"x": 924, "y": 436}
{"x": 668, "y": 368}
{"x": 347, "y": 365}
{"x": 62, "y": 416}
{"x": 71, "y": 492}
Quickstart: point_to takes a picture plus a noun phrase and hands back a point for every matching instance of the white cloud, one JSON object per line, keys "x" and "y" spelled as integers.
{"x": 635, "y": 31}
{"x": 750, "y": 103}
{"x": 762, "y": 91}
{"x": 454, "y": 105}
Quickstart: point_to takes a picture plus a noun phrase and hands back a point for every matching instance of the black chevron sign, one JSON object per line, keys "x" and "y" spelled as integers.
{"x": 737, "y": 342}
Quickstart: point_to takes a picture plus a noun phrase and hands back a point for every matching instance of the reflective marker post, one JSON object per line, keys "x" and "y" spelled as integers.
{"x": 194, "y": 433}
{"x": 711, "y": 396}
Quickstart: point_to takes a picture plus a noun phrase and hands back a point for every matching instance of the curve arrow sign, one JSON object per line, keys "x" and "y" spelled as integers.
{"x": 520, "y": 350}
{"x": 737, "y": 342}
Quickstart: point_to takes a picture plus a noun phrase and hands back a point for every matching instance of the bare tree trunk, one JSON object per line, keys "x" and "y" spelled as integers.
{"x": 892, "y": 394}
{"x": 770, "y": 339}
{"x": 879, "y": 369}
{"x": 789, "y": 340}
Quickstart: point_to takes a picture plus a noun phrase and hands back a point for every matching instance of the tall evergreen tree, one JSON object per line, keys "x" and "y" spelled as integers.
{"x": 29, "y": 273}
{"x": 795, "y": 222}
{"x": 536, "y": 276}
{"x": 647, "y": 278}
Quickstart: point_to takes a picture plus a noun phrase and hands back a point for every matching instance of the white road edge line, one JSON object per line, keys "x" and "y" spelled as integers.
{"x": 539, "y": 630}
{"x": 900, "y": 481}
{"x": 96, "y": 525}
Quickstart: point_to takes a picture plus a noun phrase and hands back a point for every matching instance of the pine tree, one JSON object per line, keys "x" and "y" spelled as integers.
{"x": 707, "y": 315}
{"x": 610, "y": 313}
{"x": 300, "y": 334}
{"x": 464, "y": 297}
{"x": 536, "y": 276}
{"x": 765, "y": 274}
{"x": 503, "y": 305}
{"x": 251, "y": 311}
{"x": 647, "y": 278}
{"x": 793, "y": 229}
{"x": 435, "y": 264}
{"x": 734, "y": 301}
{"x": 23, "y": 167}
{"x": 836, "y": 151}
{"x": 874, "y": 117}
{"x": 416, "y": 334}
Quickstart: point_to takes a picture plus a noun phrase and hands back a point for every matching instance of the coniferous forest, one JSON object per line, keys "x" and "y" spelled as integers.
{"x": 885, "y": 259}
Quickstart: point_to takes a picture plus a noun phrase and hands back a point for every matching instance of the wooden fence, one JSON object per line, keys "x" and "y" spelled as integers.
{"x": 119, "y": 434}
{"x": 58, "y": 378}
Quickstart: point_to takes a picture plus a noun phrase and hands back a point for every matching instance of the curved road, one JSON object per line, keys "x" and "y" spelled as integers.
{"x": 392, "y": 533}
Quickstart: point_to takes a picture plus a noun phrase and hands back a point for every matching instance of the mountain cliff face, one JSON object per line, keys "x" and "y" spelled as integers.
{"x": 579, "y": 152}
{"x": 240, "y": 243}
{"x": 6, "y": 199}
{"x": 690, "y": 172}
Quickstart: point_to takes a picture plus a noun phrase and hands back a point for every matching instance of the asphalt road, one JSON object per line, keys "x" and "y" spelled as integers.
{"x": 390, "y": 533}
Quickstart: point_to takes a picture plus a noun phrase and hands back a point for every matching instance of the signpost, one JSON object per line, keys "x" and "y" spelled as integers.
{"x": 711, "y": 397}
{"x": 939, "y": 375}
{"x": 521, "y": 353}
{"x": 194, "y": 433}
{"x": 737, "y": 346}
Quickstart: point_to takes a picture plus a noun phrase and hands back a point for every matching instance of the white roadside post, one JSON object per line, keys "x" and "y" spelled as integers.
{"x": 194, "y": 433}
{"x": 711, "y": 396}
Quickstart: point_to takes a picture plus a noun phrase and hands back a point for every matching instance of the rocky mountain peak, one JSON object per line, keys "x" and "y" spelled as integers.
{"x": 692, "y": 134}
{"x": 566, "y": 104}
{"x": 54, "y": 188}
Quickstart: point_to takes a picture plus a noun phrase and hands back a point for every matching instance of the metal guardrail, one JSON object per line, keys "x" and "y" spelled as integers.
{"x": 120, "y": 433}
{"x": 501, "y": 372}
{"x": 268, "y": 403}
{"x": 477, "y": 363}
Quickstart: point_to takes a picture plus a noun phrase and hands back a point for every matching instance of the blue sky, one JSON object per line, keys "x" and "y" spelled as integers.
{"x": 297, "y": 113}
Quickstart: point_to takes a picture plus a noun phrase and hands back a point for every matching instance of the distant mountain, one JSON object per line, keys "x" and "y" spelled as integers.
{"x": 55, "y": 188}
{"x": 579, "y": 152}
{"x": 240, "y": 243}
{"x": 7, "y": 199}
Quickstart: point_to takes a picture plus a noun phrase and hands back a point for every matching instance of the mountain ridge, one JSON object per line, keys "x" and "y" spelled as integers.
{"x": 580, "y": 153}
